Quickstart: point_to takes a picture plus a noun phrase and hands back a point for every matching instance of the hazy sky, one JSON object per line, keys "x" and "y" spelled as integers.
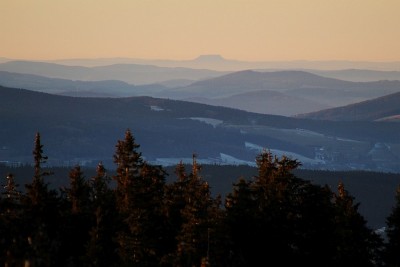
{"x": 262, "y": 30}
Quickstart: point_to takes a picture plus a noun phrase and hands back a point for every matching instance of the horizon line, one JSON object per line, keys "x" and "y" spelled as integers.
{"x": 199, "y": 57}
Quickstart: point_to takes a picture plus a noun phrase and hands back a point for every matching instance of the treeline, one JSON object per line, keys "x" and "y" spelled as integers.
{"x": 274, "y": 219}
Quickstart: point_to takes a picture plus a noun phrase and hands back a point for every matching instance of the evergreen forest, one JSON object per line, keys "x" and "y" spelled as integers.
{"x": 135, "y": 218}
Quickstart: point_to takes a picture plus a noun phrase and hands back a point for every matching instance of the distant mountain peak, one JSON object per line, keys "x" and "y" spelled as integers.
{"x": 210, "y": 58}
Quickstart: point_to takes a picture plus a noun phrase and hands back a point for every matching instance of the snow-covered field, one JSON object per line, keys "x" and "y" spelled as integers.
{"x": 223, "y": 159}
{"x": 175, "y": 161}
{"x": 156, "y": 108}
{"x": 213, "y": 122}
{"x": 305, "y": 132}
{"x": 280, "y": 153}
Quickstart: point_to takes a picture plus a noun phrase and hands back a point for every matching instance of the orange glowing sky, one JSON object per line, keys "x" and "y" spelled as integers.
{"x": 255, "y": 30}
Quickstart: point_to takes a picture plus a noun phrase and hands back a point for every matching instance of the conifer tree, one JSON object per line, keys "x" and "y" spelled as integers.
{"x": 129, "y": 163}
{"x": 139, "y": 194}
{"x": 275, "y": 191}
{"x": 99, "y": 186}
{"x": 41, "y": 213}
{"x": 198, "y": 220}
{"x": 313, "y": 226}
{"x": 78, "y": 192}
{"x": 277, "y": 217}
{"x": 10, "y": 198}
{"x": 392, "y": 246}
{"x": 151, "y": 220}
{"x": 261, "y": 210}
{"x": 240, "y": 220}
{"x": 174, "y": 202}
{"x": 76, "y": 218}
{"x": 12, "y": 242}
{"x": 100, "y": 249}
{"x": 11, "y": 191}
{"x": 37, "y": 191}
{"x": 357, "y": 244}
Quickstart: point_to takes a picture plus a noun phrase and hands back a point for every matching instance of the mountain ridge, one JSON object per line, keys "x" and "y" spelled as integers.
{"x": 319, "y": 92}
{"x": 77, "y": 129}
{"x": 383, "y": 108}
{"x": 299, "y": 91}
{"x": 130, "y": 73}
{"x": 237, "y": 65}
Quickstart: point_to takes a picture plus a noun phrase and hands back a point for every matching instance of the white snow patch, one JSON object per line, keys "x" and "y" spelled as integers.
{"x": 156, "y": 108}
{"x": 348, "y": 140}
{"x": 227, "y": 159}
{"x": 252, "y": 146}
{"x": 292, "y": 155}
{"x": 211, "y": 121}
{"x": 280, "y": 153}
{"x": 223, "y": 159}
{"x": 175, "y": 161}
{"x": 305, "y": 132}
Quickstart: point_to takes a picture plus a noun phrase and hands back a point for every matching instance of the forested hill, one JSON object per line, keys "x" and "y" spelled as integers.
{"x": 86, "y": 129}
{"x": 385, "y": 108}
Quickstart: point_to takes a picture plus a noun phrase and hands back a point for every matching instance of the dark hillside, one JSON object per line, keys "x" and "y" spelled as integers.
{"x": 87, "y": 129}
{"x": 383, "y": 108}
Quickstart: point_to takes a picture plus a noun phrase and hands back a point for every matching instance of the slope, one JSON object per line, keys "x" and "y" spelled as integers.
{"x": 384, "y": 108}
{"x": 85, "y": 130}
{"x": 265, "y": 102}
{"x": 316, "y": 89}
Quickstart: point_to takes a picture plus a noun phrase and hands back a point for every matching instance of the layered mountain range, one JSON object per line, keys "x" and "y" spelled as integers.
{"x": 327, "y": 119}
{"x": 284, "y": 92}
{"x": 224, "y": 117}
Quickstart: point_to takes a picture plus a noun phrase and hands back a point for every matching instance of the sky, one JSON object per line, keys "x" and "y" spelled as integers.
{"x": 251, "y": 30}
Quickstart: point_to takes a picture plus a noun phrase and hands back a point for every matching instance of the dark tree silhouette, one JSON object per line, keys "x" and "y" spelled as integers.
{"x": 198, "y": 217}
{"x": 12, "y": 243}
{"x": 392, "y": 247}
{"x": 76, "y": 218}
{"x": 100, "y": 249}
{"x": 356, "y": 243}
{"x": 139, "y": 195}
{"x": 277, "y": 217}
{"x": 41, "y": 214}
